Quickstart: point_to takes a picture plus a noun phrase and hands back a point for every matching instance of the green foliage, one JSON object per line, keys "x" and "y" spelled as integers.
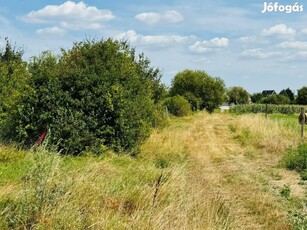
{"x": 237, "y": 95}
{"x": 302, "y": 96}
{"x": 288, "y": 93}
{"x": 285, "y": 191}
{"x": 178, "y": 106}
{"x": 296, "y": 159}
{"x": 200, "y": 89}
{"x": 298, "y": 220}
{"x": 40, "y": 192}
{"x": 276, "y": 99}
{"x": 261, "y": 108}
{"x": 256, "y": 97}
{"x": 304, "y": 174}
{"x": 14, "y": 85}
{"x": 96, "y": 94}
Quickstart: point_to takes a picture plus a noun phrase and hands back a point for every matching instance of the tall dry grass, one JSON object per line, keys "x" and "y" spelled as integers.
{"x": 196, "y": 173}
{"x": 117, "y": 192}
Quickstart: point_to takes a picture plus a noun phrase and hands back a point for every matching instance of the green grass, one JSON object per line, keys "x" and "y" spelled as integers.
{"x": 13, "y": 164}
{"x": 289, "y": 121}
{"x": 296, "y": 159}
{"x": 174, "y": 183}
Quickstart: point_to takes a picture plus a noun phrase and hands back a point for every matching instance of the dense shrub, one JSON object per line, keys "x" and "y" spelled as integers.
{"x": 14, "y": 79}
{"x": 178, "y": 106}
{"x": 262, "y": 108}
{"x": 296, "y": 159}
{"x": 200, "y": 89}
{"x": 95, "y": 95}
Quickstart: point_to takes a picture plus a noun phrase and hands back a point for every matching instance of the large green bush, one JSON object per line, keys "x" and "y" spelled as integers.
{"x": 14, "y": 79}
{"x": 200, "y": 89}
{"x": 98, "y": 94}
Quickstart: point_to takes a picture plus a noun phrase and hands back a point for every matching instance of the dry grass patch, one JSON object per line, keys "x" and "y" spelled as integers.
{"x": 201, "y": 172}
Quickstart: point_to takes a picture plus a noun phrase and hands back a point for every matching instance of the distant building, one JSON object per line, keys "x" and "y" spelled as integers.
{"x": 266, "y": 93}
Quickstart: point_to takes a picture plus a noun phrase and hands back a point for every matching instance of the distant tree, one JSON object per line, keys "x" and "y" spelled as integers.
{"x": 302, "y": 96}
{"x": 200, "y": 89}
{"x": 288, "y": 93}
{"x": 276, "y": 99}
{"x": 256, "y": 97}
{"x": 237, "y": 95}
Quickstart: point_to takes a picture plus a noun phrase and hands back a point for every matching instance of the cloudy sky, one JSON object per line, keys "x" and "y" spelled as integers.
{"x": 233, "y": 40}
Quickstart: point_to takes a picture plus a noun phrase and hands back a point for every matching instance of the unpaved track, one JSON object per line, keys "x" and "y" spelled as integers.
{"x": 246, "y": 177}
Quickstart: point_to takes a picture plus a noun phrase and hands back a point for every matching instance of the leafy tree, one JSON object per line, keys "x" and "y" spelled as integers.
{"x": 237, "y": 95}
{"x": 178, "y": 106}
{"x": 302, "y": 96}
{"x": 288, "y": 93}
{"x": 256, "y": 97}
{"x": 14, "y": 79}
{"x": 200, "y": 89}
{"x": 98, "y": 94}
{"x": 276, "y": 99}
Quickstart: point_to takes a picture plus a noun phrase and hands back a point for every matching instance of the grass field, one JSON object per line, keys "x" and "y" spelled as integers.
{"x": 217, "y": 171}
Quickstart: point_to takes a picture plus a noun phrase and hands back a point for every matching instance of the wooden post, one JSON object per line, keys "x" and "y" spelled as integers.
{"x": 303, "y": 121}
{"x": 266, "y": 111}
{"x": 166, "y": 111}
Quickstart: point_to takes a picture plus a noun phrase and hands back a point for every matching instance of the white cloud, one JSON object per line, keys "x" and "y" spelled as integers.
{"x": 280, "y": 29}
{"x": 296, "y": 57}
{"x": 209, "y": 46}
{"x": 53, "y": 31}
{"x": 259, "y": 54}
{"x": 247, "y": 39}
{"x": 133, "y": 37}
{"x": 71, "y": 16}
{"x": 293, "y": 45}
{"x": 153, "y": 17}
{"x": 304, "y": 31}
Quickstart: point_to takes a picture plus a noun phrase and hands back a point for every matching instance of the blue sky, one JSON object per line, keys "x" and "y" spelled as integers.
{"x": 233, "y": 40}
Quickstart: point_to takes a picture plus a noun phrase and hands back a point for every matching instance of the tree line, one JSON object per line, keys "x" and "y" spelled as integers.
{"x": 95, "y": 96}
{"x": 98, "y": 95}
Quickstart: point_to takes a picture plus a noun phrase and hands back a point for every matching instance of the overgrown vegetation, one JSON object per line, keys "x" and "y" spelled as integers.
{"x": 196, "y": 173}
{"x": 110, "y": 192}
{"x": 262, "y": 108}
{"x": 178, "y": 106}
{"x": 95, "y": 96}
{"x": 200, "y": 89}
{"x": 201, "y": 171}
{"x": 296, "y": 159}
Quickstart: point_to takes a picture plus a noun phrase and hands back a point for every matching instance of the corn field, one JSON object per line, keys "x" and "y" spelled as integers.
{"x": 269, "y": 108}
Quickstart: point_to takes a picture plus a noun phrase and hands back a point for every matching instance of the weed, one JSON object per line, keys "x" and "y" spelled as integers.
{"x": 304, "y": 174}
{"x": 40, "y": 191}
{"x": 232, "y": 128}
{"x": 298, "y": 220}
{"x": 285, "y": 191}
{"x": 162, "y": 163}
{"x": 296, "y": 159}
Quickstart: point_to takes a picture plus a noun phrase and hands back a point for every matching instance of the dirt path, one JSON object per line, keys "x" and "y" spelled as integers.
{"x": 231, "y": 162}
